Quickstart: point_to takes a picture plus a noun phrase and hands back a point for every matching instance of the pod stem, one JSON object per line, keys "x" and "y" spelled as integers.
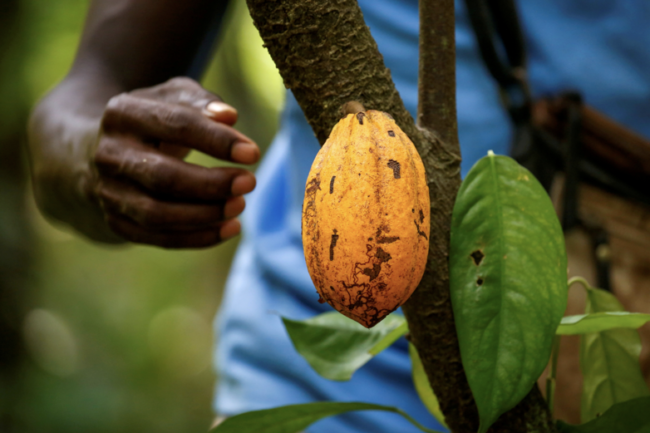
{"x": 352, "y": 107}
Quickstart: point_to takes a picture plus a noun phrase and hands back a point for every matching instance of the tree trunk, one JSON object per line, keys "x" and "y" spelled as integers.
{"x": 327, "y": 57}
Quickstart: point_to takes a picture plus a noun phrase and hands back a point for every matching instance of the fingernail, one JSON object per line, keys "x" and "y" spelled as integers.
{"x": 218, "y": 107}
{"x": 230, "y": 229}
{"x": 243, "y": 184}
{"x": 245, "y": 152}
{"x": 234, "y": 207}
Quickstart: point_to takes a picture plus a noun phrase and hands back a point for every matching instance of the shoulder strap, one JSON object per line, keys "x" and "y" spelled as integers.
{"x": 502, "y": 47}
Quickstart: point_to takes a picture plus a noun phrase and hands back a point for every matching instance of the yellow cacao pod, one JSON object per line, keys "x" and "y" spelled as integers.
{"x": 365, "y": 218}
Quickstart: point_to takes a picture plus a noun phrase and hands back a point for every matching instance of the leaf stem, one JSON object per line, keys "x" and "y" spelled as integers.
{"x": 414, "y": 422}
{"x": 550, "y": 380}
{"x": 389, "y": 339}
{"x": 579, "y": 280}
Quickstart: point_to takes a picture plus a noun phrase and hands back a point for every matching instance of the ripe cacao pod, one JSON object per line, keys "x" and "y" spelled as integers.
{"x": 365, "y": 218}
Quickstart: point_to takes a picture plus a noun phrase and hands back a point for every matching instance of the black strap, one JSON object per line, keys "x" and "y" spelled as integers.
{"x": 572, "y": 157}
{"x": 502, "y": 47}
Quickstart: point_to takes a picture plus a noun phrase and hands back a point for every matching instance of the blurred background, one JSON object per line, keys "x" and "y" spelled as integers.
{"x": 96, "y": 339}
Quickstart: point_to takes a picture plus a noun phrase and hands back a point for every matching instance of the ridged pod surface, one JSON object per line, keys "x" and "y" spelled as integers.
{"x": 365, "y": 218}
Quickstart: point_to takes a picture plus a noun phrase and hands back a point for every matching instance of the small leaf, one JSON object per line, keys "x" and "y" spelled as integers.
{"x": 336, "y": 346}
{"x": 508, "y": 282}
{"x": 423, "y": 387}
{"x": 598, "y": 322}
{"x": 631, "y": 416}
{"x": 296, "y": 418}
{"x": 609, "y": 361}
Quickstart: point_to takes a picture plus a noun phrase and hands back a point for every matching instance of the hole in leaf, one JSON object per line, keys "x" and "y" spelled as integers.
{"x": 479, "y": 281}
{"x": 477, "y": 256}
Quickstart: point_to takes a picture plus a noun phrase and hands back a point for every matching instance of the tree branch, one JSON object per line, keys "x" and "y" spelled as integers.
{"x": 437, "y": 73}
{"x": 327, "y": 57}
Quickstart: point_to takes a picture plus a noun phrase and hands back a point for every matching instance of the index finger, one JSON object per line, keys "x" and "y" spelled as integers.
{"x": 173, "y": 123}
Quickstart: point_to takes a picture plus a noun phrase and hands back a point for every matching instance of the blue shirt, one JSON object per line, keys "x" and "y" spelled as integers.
{"x": 598, "y": 47}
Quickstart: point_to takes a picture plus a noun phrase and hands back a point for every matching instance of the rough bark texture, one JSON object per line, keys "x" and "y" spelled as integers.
{"x": 327, "y": 57}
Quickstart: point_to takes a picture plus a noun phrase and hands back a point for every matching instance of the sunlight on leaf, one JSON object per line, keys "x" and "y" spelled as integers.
{"x": 598, "y": 322}
{"x": 508, "y": 282}
{"x": 296, "y": 418}
{"x": 336, "y": 346}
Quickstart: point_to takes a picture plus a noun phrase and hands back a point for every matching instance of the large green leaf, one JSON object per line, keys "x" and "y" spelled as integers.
{"x": 598, "y": 322}
{"x": 336, "y": 346}
{"x": 423, "y": 387}
{"x": 609, "y": 361}
{"x": 508, "y": 282}
{"x": 295, "y": 418}
{"x": 633, "y": 416}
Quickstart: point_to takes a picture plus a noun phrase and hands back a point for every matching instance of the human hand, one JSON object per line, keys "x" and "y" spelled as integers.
{"x": 147, "y": 193}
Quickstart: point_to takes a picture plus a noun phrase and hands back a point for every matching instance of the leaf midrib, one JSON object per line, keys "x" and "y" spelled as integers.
{"x": 497, "y": 199}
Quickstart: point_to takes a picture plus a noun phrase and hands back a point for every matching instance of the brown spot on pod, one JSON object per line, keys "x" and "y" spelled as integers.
{"x": 313, "y": 186}
{"x": 394, "y": 165}
{"x": 420, "y": 232}
{"x": 335, "y": 239}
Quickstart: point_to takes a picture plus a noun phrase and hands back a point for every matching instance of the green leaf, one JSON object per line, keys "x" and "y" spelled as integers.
{"x": 336, "y": 346}
{"x": 295, "y": 418}
{"x": 508, "y": 282}
{"x": 632, "y": 416}
{"x": 609, "y": 361}
{"x": 598, "y": 322}
{"x": 423, "y": 387}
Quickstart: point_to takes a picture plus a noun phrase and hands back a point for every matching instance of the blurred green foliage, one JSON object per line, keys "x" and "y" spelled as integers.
{"x": 120, "y": 339}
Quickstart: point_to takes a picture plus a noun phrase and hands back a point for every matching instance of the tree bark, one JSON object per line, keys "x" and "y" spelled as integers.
{"x": 327, "y": 57}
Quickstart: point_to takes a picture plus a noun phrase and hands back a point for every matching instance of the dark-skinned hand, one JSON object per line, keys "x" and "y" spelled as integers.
{"x": 147, "y": 192}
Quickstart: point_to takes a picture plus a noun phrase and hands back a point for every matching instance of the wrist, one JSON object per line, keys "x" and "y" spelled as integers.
{"x": 61, "y": 144}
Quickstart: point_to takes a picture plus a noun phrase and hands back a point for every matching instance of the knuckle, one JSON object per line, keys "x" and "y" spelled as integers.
{"x": 161, "y": 177}
{"x": 114, "y": 110}
{"x": 103, "y": 154}
{"x": 182, "y": 82}
{"x": 190, "y": 92}
{"x": 105, "y": 196}
{"x": 149, "y": 214}
{"x": 177, "y": 121}
{"x": 107, "y": 156}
